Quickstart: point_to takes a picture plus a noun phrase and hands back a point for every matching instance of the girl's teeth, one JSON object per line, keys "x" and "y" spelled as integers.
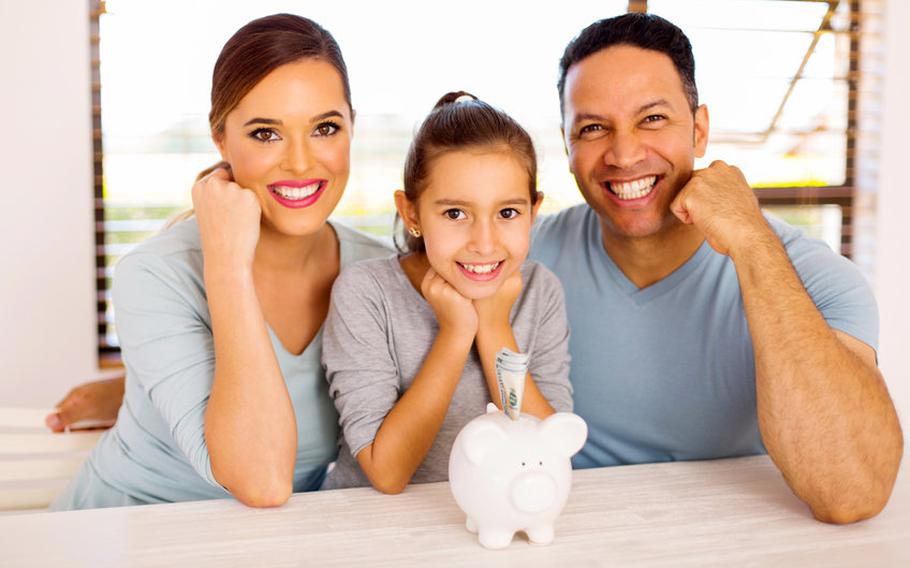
{"x": 296, "y": 193}
{"x": 481, "y": 268}
{"x": 633, "y": 189}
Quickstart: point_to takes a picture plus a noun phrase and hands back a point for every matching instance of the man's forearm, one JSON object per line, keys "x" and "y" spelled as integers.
{"x": 824, "y": 412}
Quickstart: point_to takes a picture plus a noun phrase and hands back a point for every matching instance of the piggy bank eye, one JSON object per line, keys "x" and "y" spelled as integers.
{"x": 540, "y": 463}
{"x": 522, "y": 464}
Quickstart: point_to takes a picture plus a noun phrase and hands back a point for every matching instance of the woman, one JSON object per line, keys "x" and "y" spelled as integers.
{"x": 220, "y": 316}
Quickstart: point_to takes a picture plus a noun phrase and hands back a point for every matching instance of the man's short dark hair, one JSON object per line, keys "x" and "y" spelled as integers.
{"x": 637, "y": 29}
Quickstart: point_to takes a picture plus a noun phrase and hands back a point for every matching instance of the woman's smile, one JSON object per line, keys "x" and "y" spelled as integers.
{"x": 296, "y": 194}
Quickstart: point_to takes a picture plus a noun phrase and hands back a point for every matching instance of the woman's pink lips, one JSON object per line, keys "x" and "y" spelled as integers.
{"x": 481, "y": 277}
{"x": 298, "y": 203}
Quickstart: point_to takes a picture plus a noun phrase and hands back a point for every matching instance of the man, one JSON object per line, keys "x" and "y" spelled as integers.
{"x": 701, "y": 329}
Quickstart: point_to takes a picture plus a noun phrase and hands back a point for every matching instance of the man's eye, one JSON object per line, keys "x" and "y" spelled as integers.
{"x": 654, "y": 118}
{"x": 509, "y": 213}
{"x": 454, "y": 214}
{"x": 589, "y": 128}
{"x": 327, "y": 129}
{"x": 265, "y": 135}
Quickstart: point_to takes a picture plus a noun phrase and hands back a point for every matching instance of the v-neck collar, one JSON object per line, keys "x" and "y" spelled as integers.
{"x": 344, "y": 253}
{"x": 641, "y": 296}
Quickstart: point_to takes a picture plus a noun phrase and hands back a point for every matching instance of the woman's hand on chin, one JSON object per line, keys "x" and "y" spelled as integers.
{"x": 228, "y": 217}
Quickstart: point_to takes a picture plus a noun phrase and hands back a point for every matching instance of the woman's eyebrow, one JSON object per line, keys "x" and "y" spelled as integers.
{"x": 259, "y": 120}
{"x": 276, "y": 122}
{"x": 328, "y": 114}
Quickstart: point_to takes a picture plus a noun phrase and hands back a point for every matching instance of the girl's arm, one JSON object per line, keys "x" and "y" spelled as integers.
{"x": 250, "y": 428}
{"x": 494, "y": 331}
{"x": 408, "y": 431}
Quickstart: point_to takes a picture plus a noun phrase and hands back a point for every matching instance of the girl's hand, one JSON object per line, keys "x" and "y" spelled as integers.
{"x": 228, "y": 217}
{"x": 494, "y": 310}
{"x": 454, "y": 312}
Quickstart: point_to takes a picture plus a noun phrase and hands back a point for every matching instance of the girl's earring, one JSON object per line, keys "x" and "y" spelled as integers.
{"x": 414, "y": 232}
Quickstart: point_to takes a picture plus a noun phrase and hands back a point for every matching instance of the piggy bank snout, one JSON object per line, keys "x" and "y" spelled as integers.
{"x": 533, "y": 492}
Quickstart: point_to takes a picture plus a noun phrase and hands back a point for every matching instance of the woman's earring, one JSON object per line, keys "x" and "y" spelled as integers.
{"x": 414, "y": 232}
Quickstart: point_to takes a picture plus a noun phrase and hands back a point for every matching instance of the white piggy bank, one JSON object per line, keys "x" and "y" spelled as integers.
{"x": 510, "y": 476}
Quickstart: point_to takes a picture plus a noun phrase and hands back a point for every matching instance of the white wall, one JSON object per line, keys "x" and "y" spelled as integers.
{"x": 892, "y": 275}
{"x": 47, "y": 320}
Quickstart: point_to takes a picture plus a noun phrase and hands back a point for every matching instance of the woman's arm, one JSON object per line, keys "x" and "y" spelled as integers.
{"x": 250, "y": 428}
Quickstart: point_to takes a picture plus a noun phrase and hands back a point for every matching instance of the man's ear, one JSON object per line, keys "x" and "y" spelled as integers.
{"x": 406, "y": 210}
{"x": 701, "y": 131}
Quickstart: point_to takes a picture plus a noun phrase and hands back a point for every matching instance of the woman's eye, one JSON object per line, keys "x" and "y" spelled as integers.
{"x": 454, "y": 214}
{"x": 265, "y": 135}
{"x": 326, "y": 129}
{"x": 509, "y": 213}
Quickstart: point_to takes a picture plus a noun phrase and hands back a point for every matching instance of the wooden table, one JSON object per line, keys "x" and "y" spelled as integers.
{"x": 725, "y": 512}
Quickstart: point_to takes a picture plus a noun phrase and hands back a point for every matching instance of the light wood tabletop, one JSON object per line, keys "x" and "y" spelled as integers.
{"x": 724, "y": 512}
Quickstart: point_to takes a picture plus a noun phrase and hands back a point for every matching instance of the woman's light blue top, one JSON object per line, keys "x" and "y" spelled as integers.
{"x": 156, "y": 452}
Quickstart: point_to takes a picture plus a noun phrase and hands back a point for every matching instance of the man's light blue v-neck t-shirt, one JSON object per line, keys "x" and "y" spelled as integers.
{"x": 156, "y": 452}
{"x": 667, "y": 372}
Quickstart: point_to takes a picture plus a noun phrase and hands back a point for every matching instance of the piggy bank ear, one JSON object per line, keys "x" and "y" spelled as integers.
{"x": 565, "y": 432}
{"x": 479, "y": 438}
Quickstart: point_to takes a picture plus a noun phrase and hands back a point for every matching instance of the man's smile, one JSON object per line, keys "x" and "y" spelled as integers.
{"x": 627, "y": 190}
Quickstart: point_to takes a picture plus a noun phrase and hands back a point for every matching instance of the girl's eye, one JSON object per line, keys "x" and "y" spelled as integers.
{"x": 509, "y": 213}
{"x": 265, "y": 135}
{"x": 327, "y": 129}
{"x": 454, "y": 214}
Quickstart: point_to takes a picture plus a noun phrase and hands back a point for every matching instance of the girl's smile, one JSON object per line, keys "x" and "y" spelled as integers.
{"x": 475, "y": 214}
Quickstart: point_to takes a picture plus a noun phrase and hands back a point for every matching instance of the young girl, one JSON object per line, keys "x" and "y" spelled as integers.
{"x": 411, "y": 341}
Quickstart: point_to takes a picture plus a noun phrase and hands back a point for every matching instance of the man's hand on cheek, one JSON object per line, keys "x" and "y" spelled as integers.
{"x": 719, "y": 202}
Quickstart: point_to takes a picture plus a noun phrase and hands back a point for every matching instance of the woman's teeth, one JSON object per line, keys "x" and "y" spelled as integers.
{"x": 295, "y": 193}
{"x": 480, "y": 268}
{"x": 633, "y": 189}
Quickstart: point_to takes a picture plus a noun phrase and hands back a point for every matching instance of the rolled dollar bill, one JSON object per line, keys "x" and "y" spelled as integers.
{"x": 511, "y": 371}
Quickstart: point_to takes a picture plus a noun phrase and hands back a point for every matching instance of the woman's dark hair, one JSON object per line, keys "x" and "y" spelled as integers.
{"x": 461, "y": 121}
{"x": 257, "y": 49}
{"x": 646, "y": 31}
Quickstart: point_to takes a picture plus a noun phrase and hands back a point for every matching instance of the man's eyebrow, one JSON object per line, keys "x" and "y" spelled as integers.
{"x": 601, "y": 118}
{"x": 652, "y": 104}
{"x": 276, "y": 122}
{"x": 588, "y": 116}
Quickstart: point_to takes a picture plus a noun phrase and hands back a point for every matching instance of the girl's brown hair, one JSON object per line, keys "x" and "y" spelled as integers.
{"x": 457, "y": 122}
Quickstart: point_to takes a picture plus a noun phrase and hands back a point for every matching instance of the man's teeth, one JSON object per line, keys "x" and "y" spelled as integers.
{"x": 633, "y": 189}
{"x": 480, "y": 268}
{"x": 295, "y": 193}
